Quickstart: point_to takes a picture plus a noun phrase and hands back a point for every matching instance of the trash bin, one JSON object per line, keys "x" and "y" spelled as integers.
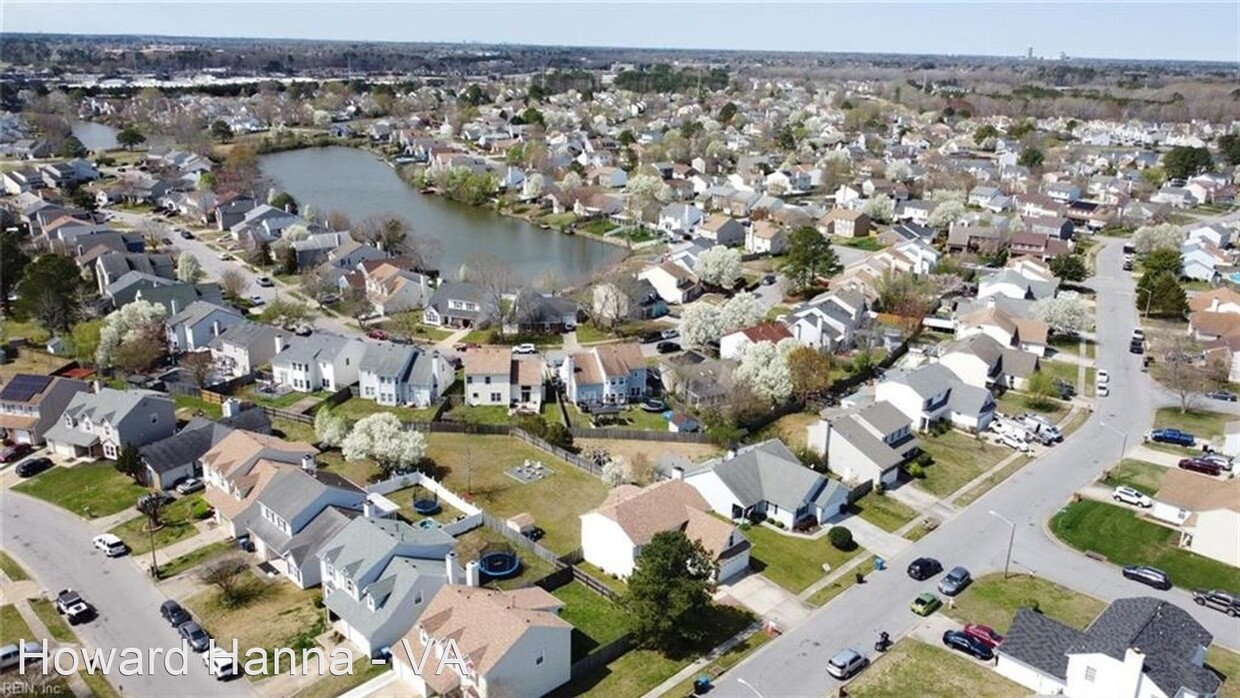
{"x": 701, "y": 685}
{"x": 880, "y": 564}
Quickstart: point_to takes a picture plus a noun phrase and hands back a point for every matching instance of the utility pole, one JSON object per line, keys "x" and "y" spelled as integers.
{"x": 1007, "y": 564}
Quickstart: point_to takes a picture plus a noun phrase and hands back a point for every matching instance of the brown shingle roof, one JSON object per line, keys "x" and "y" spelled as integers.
{"x": 665, "y": 506}
{"x": 1224, "y": 295}
{"x": 620, "y": 359}
{"x": 528, "y": 371}
{"x": 1199, "y": 493}
{"x": 487, "y": 361}
{"x": 1208, "y": 322}
{"x": 772, "y": 332}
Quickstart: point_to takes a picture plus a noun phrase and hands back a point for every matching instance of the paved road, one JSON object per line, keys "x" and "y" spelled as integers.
{"x": 55, "y": 546}
{"x": 794, "y": 664}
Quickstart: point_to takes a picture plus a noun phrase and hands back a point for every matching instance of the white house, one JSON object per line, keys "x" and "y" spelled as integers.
{"x": 981, "y": 361}
{"x": 242, "y": 348}
{"x": 1199, "y": 260}
{"x": 194, "y": 328}
{"x": 865, "y": 444}
{"x": 933, "y": 393}
{"x": 612, "y": 535}
{"x": 679, "y": 219}
{"x": 99, "y": 425}
{"x": 1009, "y": 330}
{"x": 493, "y": 376}
{"x": 1206, "y": 510}
{"x": 1011, "y": 283}
{"x": 734, "y": 344}
{"x": 721, "y": 230}
{"x": 606, "y": 374}
{"x": 240, "y": 466}
{"x": 828, "y": 323}
{"x": 1216, "y": 234}
{"x": 321, "y": 361}
{"x": 765, "y": 237}
{"x": 400, "y": 374}
{"x": 674, "y": 283}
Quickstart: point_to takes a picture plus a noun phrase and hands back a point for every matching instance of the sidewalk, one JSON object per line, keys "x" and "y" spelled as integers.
{"x": 699, "y": 664}
{"x": 1145, "y": 453}
{"x": 846, "y": 568}
{"x": 451, "y": 340}
{"x": 874, "y": 539}
{"x": 107, "y": 523}
{"x": 19, "y": 594}
{"x": 181, "y": 547}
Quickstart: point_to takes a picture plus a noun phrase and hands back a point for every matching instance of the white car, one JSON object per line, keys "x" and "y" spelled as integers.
{"x": 1138, "y": 333}
{"x": 224, "y": 256}
{"x": 1129, "y": 495}
{"x": 256, "y": 299}
{"x": 220, "y": 663}
{"x": 525, "y": 349}
{"x": 1012, "y": 441}
{"x": 110, "y": 545}
{"x": 1103, "y": 377}
{"x": 1102, "y": 390}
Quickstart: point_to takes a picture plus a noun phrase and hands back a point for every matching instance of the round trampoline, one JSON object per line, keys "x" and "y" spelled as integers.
{"x": 426, "y": 507}
{"x": 499, "y": 561}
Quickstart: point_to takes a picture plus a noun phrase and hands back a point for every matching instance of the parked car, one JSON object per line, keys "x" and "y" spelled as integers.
{"x": 963, "y": 642}
{"x": 926, "y": 603}
{"x": 73, "y": 607}
{"x": 1173, "y": 436}
{"x": 1102, "y": 390}
{"x": 1129, "y": 495}
{"x": 1127, "y": 265}
{"x": 110, "y": 545}
{"x": 1221, "y": 395}
{"x": 186, "y": 235}
{"x": 377, "y": 334}
{"x": 672, "y": 333}
{"x": 11, "y": 655}
{"x": 32, "y": 467}
{"x": 1066, "y": 390}
{"x": 189, "y": 485}
{"x": 651, "y": 337}
{"x": 193, "y": 633}
{"x": 1043, "y": 427}
{"x": 303, "y": 330}
{"x": 1102, "y": 377}
{"x": 1218, "y": 459}
{"x": 224, "y": 256}
{"x": 256, "y": 299}
{"x": 924, "y": 568}
{"x": 15, "y": 452}
{"x": 667, "y": 347}
{"x": 846, "y": 663}
{"x": 768, "y": 280}
{"x": 1201, "y": 465}
{"x": 1218, "y": 600}
{"x": 1014, "y": 441}
{"x": 1138, "y": 333}
{"x": 985, "y": 633}
{"x": 174, "y": 613}
{"x": 221, "y": 664}
{"x": 525, "y": 348}
{"x": 1149, "y": 576}
{"x": 955, "y": 581}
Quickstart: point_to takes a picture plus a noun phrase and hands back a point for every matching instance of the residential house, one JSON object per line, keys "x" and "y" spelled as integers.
{"x": 99, "y": 425}
{"x": 543, "y": 313}
{"x": 379, "y": 576}
{"x": 1009, "y": 330}
{"x": 401, "y": 374}
{"x": 866, "y": 444}
{"x": 1206, "y": 510}
{"x": 1039, "y": 245}
{"x": 1218, "y": 235}
{"x": 392, "y": 289}
{"x": 981, "y": 361}
{"x": 697, "y": 380}
{"x": 240, "y": 466}
{"x": 459, "y": 304}
{"x": 765, "y": 237}
{"x": 645, "y": 303}
{"x": 828, "y": 323}
{"x": 199, "y": 324}
{"x": 31, "y": 404}
{"x": 765, "y": 480}
{"x": 112, "y": 265}
{"x": 322, "y": 361}
{"x": 1175, "y": 197}
{"x": 241, "y": 348}
{"x": 1013, "y": 284}
{"x": 612, "y": 536}
{"x": 933, "y": 393}
{"x": 916, "y": 212}
{"x": 675, "y": 283}
{"x": 494, "y": 376}
{"x": 1063, "y": 192}
{"x": 315, "y": 248}
{"x": 1056, "y": 227}
{"x": 680, "y": 219}
{"x": 514, "y": 643}
{"x": 1218, "y": 300}
{"x": 170, "y": 460}
{"x": 721, "y": 230}
{"x": 606, "y": 374}
{"x": 1199, "y": 260}
{"x": 846, "y": 223}
{"x": 1143, "y": 647}
{"x": 733, "y": 345}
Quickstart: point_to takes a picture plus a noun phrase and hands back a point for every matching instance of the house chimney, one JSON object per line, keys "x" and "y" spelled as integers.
{"x": 455, "y": 575}
{"x": 473, "y": 574}
{"x": 231, "y": 407}
{"x": 308, "y": 463}
{"x": 678, "y": 473}
{"x": 279, "y": 343}
{"x": 173, "y": 310}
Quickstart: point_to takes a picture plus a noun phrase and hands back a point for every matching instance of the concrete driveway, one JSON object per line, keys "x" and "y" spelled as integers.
{"x": 766, "y": 599}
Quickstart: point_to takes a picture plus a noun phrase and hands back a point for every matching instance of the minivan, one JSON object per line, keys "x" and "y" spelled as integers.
{"x": 10, "y": 655}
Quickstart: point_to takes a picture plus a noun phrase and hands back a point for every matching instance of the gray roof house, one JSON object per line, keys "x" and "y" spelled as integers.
{"x": 400, "y": 374}
{"x": 169, "y": 460}
{"x": 981, "y": 361}
{"x": 241, "y": 348}
{"x": 933, "y": 393}
{"x": 1138, "y": 646}
{"x": 112, "y": 265}
{"x": 31, "y": 404}
{"x": 869, "y": 443}
{"x": 99, "y": 425}
{"x": 194, "y": 327}
{"x": 379, "y": 574}
{"x": 458, "y": 304}
{"x": 767, "y": 480}
{"x": 322, "y": 361}
{"x": 1013, "y": 284}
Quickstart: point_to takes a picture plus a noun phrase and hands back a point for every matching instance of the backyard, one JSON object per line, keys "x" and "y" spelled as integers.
{"x": 887, "y": 513}
{"x": 90, "y": 489}
{"x": 596, "y": 621}
{"x": 357, "y": 408}
{"x": 631, "y": 418}
{"x": 533, "y": 568}
{"x": 793, "y": 562}
{"x": 192, "y": 559}
{"x": 1124, "y": 539}
{"x": 958, "y": 459}
{"x": 936, "y": 672}
{"x": 629, "y": 449}
{"x": 1138, "y": 474}
{"x": 178, "y": 524}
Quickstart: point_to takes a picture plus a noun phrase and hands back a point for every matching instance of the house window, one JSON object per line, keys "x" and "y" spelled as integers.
{"x": 1090, "y": 674}
{"x": 495, "y": 397}
{"x": 487, "y": 380}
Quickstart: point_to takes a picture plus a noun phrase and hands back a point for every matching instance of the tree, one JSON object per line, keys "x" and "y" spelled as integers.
{"x": 727, "y": 112}
{"x": 611, "y": 305}
{"x": 810, "y": 257}
{"x": 1148, "y": 238}
{"x": 899, "y": 171}
{"x": 809, "y": 371}
{"x": 355, "y": 303}
{"x": 189, "y": 269}
{"x": 945, "y": 214}
{"x": 153, "y": 508}
{"x": 1069, "y": 267}
{"x": 614, "y": 472}
{"x": 286, "y": 313}
{"x": 226, "y": 575}
{"x": 764, "y": 368}
{"x": 141, "y": 351}
{"x": 129, "y": 137}
{"x": 983, "y": 132}
{"x": 51, "y": 291}
{"x": 699, "y": 324}
{"x": 233, "y": 283}
{"x": 260, "y": 256}
{"x": 330, "y": 428}
{"x": 880, "y": 208}
{"x": 389, "y": 232}
{"x": 1063, "y": 314}
{"x": 534, "y": 186}
{"x": 1163, "y": 259}
{"x": 841, "y": 538}
{"x": 1031, "y": 157}
{"x": 71, "y": 147}
{"x": 1041, "y": 389}
{"x": 669, "y": 593}
{"x": 1229, "y": 147}
{"x": 129, "y": 462}
{"x": 13, "y": 262}
{"x": 221, "y": 131}
{"x": 1182, "y": 162}
{"x": 1162, "y": 295}
{"x": 382, "y": 438}
{"x": 500, "y": 284}
{"x": 199, "y": 365}
{"x": 126, "y": 324}
{"x": 740, "y": 311}
{"x": 85, "y": 340}
{"x": 1184, "y": 378}
{"x": 288, "y": 260}
{"x": 282, "y": 200}
{"x": 719, "y": 266}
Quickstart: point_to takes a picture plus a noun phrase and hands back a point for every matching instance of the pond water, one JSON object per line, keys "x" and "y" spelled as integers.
{"x": 95, "y": 136}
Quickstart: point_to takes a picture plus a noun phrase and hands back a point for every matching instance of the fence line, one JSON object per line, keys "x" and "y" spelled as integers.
{"x": 277, "y": 413}
{"x": 639, "y": 435}
{"x": 501, "y": 527}
{"x": 601, "y": 656}
{"x": 594, "y": 585}
{"x": 572, "y": 458}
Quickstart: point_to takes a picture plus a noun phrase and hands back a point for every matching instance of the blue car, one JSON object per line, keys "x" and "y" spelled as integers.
{"x": 1173, "y": 436}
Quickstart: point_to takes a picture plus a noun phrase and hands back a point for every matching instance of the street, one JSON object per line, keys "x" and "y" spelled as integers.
{"x": 794, "y": 664}
{"x": 55, "y": 546}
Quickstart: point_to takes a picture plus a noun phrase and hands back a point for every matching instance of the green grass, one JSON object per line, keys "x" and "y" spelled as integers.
{"x": 1138, "y": 474}
{"x": 1124, "y": 539}
{"x": 990, "y": 482}
{"x": 188, "y": 405}
{"x": 357, "y": 408}
{"x": 330, "y": 686}
{"x": 90, "y": 490}
{"x": 533, "y": 568}
{"x": 936, "y": 673}
{"x": 11, "y": 569}
{"x": 1200, "y": 423}
{"x": 56, "y": 624}
{"x": 840, "y": 585}
{"x": 1014, "y": 403}
{"x": 404, "y": 498}
{"x": 631, "y": 418}
{"x": 194, "y": 558}
{"x": 597, "y": 227}
{"x": 294, "y": 431}
{"x": 13, "y": 627}
{"x": 887, "y": 513}
{"x": 1226, "y": 663}
{"x": 589, "y": 334}
{"x": 557, "y": 220}
{"x": 958, "y": 459}
{"x": 725, "y": 661}
{"x": 178, "y": 524}
{"x": 284, "y": 401}
{"x": 596, "y": 620}
{"x": 992, "y": 600}
{"x": 479, "y": 414}
{"x": 869, "y": 244}
{"x": 617, "y": 585}
{"x": 793, "y": 562}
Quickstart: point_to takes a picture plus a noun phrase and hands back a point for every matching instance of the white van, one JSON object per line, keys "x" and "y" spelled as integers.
{"x": 10, "y": 655}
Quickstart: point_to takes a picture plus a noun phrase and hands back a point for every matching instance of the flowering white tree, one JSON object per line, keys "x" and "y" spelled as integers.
{"x": 330, "y": 428}
{"x": 1063, "y": 314}
{"x": 1155, "y": 237}
{"x": 946, "y": 213}
{"x": 295, "y": 232}
{"x": 534, "y": 186}
{"x": 572, "y": 181}
{"x": 899, "y": 171}
{"x": 189, "y": 269}
{"x": 647, "y": 188}
{"x": 742, "y": 310}
{"x": 614, "y": 472}
{"x": 382, "y": 438}
{"x": 764, "y": 368}
{"x": 719, "y": 266}
{"x": 124, "y": 324}
{"x": 611, "y": 305}
{"x": 699, "y": 324}
{"x": 881, "y": 208}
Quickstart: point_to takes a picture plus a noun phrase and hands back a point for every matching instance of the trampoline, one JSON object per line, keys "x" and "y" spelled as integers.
{"x": 499, "y": 561}
{"x": 424, "y": 505}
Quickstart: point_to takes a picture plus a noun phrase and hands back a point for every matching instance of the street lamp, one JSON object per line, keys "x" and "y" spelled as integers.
{"x": 748, "y": 685}
{"x": 1011, "y": 539}
{"x": 1123, "y": 448}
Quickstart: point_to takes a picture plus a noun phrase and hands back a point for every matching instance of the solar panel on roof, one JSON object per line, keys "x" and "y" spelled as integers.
{"x": 23, "y": 387}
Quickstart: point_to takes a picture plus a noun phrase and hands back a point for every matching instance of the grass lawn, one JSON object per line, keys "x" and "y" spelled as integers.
{"x": 958, "y": 458}
{"x": 589, "y": 334}
{"x": 1138, "y": 474}
{"x": 404, "y": 498}
{"x": 356, "y": 408}
{"x": 284, "y": 401}
{"x": 971, "y": 495}
{"x": 597, "y": 227}
{"x": 790, "y": 429}
{"x": 1125, "y": 539}
{"x": 631, "y": 418}
{"x": 293, "y": 431}
{"x": 28, "y": 361}
{"x": 725, "y": 661}
{"x": 330, "y": 686}
{"x": 866, "y": 243}
{"x": 1061, "y": 370}
{"x": 887, "y": 513}
{"x": 11, "y": 569}
{"x": 629, "y": 448}
{"x": 557, "y": 220}
{"x": 793, "y": 562}
{"x": 480, "y": 414}
{"x": 777, "y": 310}
{"x": 275, "y": 614}
{"x": 178, "y": 525}
{"x": 533, "y": 568}
{"x": 194, "y": 558}
{"x": 1226, "y": 663}
{"x": 56, "y": 624}
{"x": 992, "y": 600}
{"x": 12, "y": 626}
{"x": 1072, "y": 345}
{"x": 476, "y": 466}
{"x": 596, "y": 620}
{"x": 359, "y": 472}
{"x": 1015, "y": 403}
{"x": 839, "y": 586}
{"x": 1199, "y": 423}
{"x": 187, "y": 406}
{"x": 617, "y": 585}
{"x": 90, "y": 490}
{"x": 935, "y": 671}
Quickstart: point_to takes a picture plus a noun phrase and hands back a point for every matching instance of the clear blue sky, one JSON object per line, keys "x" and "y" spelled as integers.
{"x": 1199, "y": 31}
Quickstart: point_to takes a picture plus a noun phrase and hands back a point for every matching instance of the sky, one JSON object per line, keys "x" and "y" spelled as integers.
{"x": 1103, "y": 29}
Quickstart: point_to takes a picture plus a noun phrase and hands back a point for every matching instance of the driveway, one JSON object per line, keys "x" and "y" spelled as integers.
{"x": 55, "y": 547}
{"x": 767, "y": 600}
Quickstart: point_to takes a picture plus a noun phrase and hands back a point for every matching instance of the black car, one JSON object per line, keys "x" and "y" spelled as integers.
{"x": 768, "y": 280}
{"x": 667, "y": 347}
{"x": 193, "y": 633}
{"x": 166, "y": 241}
{"x": 34, "y": 466}
{"x": 73, "y": 607}
{"x": 1222, "y": 395}
{"x": 1136, "y": 347}
{"x": 968, "y": 644}
{"x": 172, "y": 612}
{"x": 186, "y": 235}
{"x": 924, "y": 568}
{"x": 649, "y": 337}
{"x": 1149, "y": 576}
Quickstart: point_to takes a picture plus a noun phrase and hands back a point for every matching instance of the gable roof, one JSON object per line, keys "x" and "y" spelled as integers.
{"x": 1199, "y": 493}
{"x": 1040, "y": 642}
{"x": 665, "y": 506}
{"x": 772, "y": 332}
{"x": 768, "y": 471}
{"x": 487, "y": 361}
{"x": 197, "y": 437}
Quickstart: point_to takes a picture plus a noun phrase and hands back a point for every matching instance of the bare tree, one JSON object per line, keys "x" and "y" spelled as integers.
{"x": 233, "y": 283}
{"x": 152, "y": 506}
{"x": 1180, "y": 373}
{"x": 199, "y": 365}
{"x": 501, "y": 286}
{"x": 356, "y": 304}
{"x": 338, "y": 221}
{"x": 226, "y": 575}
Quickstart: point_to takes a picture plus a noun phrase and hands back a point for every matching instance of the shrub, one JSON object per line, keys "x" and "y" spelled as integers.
{"x": 201, "y": 510}
{"x": 841, "y": 538}
{"x": 925, "y": 460}
{"x": 1032, "y": 604}
{"x": 915, "y": 471}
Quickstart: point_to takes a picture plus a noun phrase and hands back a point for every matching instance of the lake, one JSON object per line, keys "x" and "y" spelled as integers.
{"x": 357, "y": 183}
{"x": 95, "y": 136}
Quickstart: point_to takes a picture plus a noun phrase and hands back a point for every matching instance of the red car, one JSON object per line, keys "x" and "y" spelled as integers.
{"x": 14, "y": 452}
{"x": 984, "y": 633}
{"x": 377, "y": 334}
{"x": 466, "y": 346}
{"x": 1199, "y": 465}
